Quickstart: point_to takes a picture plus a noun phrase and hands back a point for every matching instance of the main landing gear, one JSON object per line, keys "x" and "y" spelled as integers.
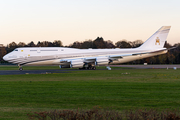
{"x": 20, "y": 68}
{"x": 88, "y": 68}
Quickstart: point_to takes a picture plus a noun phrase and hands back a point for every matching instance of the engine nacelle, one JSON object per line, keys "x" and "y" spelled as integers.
{"x": 77, "y": 63}
{"x": 64, "y": 66}
{"x": 102, "y": 61}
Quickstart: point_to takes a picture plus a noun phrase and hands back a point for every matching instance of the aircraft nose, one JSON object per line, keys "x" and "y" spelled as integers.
{"x": 5, "y": 58}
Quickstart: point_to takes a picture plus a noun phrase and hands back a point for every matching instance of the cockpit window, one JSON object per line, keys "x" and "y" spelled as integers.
{"x": 16, "y": 50}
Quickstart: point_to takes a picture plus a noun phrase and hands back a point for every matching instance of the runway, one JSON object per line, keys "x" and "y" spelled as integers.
{"x": 148, "y": 66}
{"x": 17, "y": 72}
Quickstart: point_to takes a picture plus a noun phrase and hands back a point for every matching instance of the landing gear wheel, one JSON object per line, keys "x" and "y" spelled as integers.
{"x": 93, "y": 68}
{"x": 20, "y": 69}
{"x": 89, "y": 68}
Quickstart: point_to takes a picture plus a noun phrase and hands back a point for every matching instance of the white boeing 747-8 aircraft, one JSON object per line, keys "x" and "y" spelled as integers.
{"x": 88, "y": 58}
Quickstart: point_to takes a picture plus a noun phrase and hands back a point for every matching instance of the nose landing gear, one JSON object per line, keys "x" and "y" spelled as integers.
{"x": 20, "y": 68}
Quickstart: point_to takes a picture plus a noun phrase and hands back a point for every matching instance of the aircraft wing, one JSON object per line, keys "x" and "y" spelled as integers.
{"x": 139, "y": 53}
{"x": 101, "y": 60}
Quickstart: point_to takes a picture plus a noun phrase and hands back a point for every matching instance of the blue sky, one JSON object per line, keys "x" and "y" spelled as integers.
{"x": 79, "y": 20}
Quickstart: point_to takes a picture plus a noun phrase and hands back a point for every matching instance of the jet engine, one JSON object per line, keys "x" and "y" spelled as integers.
{"x": 76, "y": 63}
{"x": 72, "y": 63}
{"x": 64, "y": 66}
{"x": 102, "y": 61}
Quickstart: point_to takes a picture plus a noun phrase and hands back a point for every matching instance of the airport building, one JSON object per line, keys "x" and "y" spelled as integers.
{"x": 2, "y": 51}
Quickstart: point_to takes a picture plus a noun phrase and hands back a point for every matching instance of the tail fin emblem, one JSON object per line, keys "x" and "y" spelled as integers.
{"x": 157, "y": 41}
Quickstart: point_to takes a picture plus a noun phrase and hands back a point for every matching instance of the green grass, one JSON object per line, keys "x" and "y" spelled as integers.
{"x": 119, "y": 89}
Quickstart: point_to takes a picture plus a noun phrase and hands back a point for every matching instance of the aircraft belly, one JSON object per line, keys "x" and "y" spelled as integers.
{"x": 47, "y": 62}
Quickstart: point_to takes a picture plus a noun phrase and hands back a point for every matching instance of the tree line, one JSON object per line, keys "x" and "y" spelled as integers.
{"x": 172, "y": 57}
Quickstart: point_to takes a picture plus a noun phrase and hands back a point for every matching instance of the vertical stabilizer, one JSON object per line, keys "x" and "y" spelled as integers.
{"x": 158, "y": 39}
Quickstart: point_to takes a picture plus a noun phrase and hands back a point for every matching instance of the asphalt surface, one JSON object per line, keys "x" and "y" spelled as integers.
{"x": 148, "y": 66}
{"x": 17, "y": 72}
